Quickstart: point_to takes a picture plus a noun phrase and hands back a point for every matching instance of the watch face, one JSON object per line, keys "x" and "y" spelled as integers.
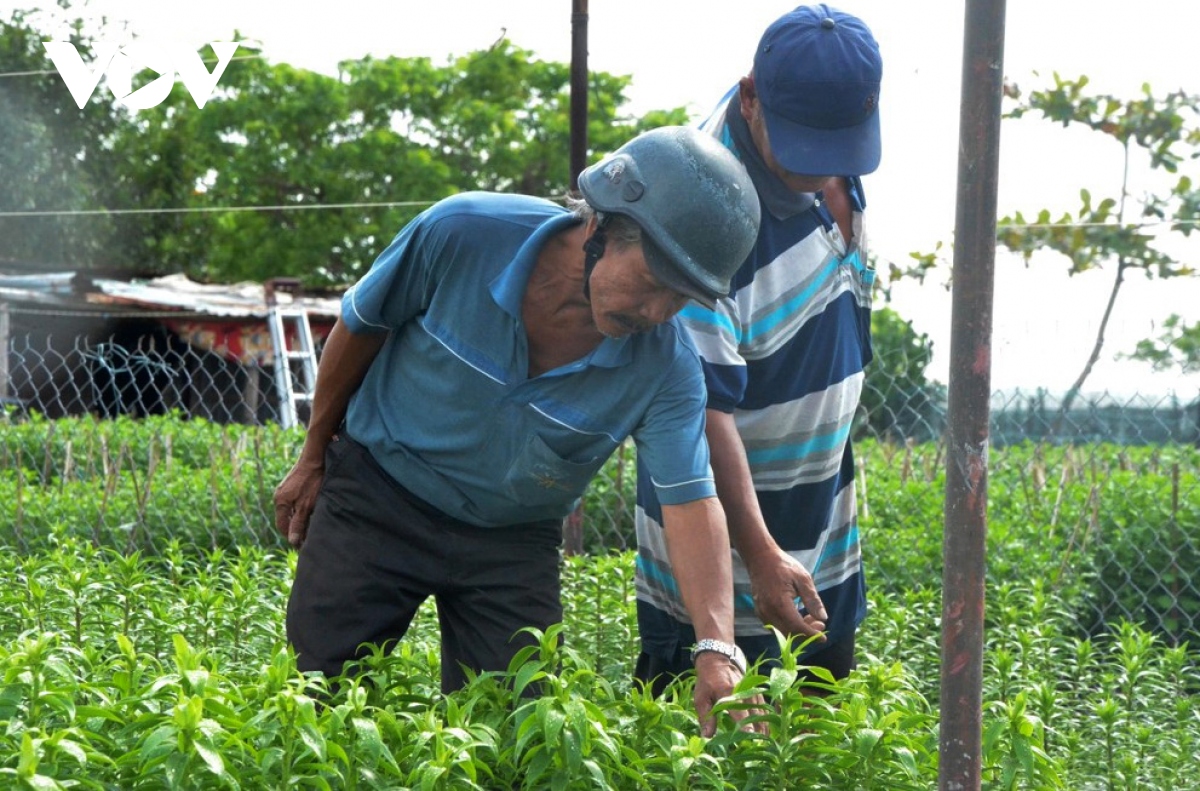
{"x": 729, "y": 650}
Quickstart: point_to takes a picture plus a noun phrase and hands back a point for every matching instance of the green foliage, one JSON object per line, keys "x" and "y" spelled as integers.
{"x": 167, "y": 668}
{"x": 601, "y": 607}
{"x": 1091, "y": 237}
{"x": 607, "y": 508}
{"x": 57, "y": 156}
{"x": 330, "y": 168}
{"x": 121, "y": 671}
{"x": 924, "y": 264}
{"x": 1165, "y": 128}
{"x": 1147, "y": 552}
{"x": 137, "y": 484}
{"x": 1120, "y": 231}
{"x": 1109, "y": 531}
{"x": 1159, "y": 124}
{"x": 1177, "y": 347}
{"x": 1114, "y": 529}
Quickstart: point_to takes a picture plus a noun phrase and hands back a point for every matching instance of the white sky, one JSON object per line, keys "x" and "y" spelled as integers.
{"x": 677, "y": 55}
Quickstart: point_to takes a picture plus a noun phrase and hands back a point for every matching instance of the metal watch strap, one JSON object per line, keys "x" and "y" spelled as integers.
{"x": 729, "y": 650}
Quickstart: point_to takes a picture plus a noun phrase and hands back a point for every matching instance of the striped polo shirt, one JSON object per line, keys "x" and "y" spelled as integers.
{"x": 784, "y": 353}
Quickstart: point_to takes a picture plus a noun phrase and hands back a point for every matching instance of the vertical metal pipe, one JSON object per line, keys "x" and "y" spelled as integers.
{"x": 3, "y": 352}
{"x": 964, "y": 548}
{"x": 579, "y": 89}
{"x": 573, "y": 524}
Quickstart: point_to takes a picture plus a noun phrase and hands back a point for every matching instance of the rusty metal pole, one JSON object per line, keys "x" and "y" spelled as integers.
{"x": 579, "y": 89}
{"x": 3, "y": 352}
{"x": 573, "y": 524}
{"x": 964, "y": 548}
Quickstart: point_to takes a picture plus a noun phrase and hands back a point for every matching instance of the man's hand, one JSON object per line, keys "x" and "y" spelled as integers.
{"x": 344, "y": 362}
{"x": 295, "y": 499}
{"x": 776, "y": 581}
{"x": 776, "y": 578}
{"x": 716, "y": 677}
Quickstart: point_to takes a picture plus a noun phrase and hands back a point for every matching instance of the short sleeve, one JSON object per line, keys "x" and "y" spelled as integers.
{"x": 670, "y": 439}
{"x": 400, "y": 283}
{"x": 717, "y": 336}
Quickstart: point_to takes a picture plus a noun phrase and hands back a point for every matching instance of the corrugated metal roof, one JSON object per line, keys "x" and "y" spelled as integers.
{"x": 169, "y": 293}
{"x": 56, "y": 282}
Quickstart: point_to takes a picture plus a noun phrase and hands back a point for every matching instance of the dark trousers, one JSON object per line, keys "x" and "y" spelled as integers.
{"x": 375, "y": 552}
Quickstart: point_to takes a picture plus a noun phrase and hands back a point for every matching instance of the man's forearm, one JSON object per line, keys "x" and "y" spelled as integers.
{"x": 776, "y": 579}
{"x": 735, "y": 488}
{"x": 698, "y": 546}
{"x": 344, "y": 363}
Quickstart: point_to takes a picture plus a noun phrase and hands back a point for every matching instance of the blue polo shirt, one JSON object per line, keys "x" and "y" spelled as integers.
{"x": 448, "y": 407}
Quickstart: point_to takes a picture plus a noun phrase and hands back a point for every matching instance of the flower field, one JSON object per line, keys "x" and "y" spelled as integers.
{"x": 127, "y": 664}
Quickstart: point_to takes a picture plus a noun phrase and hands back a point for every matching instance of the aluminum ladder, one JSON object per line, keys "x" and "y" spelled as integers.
{"x": 295, "y": 366}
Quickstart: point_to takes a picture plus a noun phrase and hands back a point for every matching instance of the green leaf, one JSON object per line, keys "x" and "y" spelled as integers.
{"x": 781, "y": 680}
{"x": 1025, "y": 756}
{"x": 526, "y": 675}
{"x": 866, "y": 740}
{"x": 161, "y": 741}
{"x": 553, "y": 720}
{"x": 72, "y": 749}
{"x": 573, "y": 742}
{"x": 42, "y": 783}
{"x": 27, "y": 764}
{"x": 313, "y": 739}
{"x": 211, "y": 757}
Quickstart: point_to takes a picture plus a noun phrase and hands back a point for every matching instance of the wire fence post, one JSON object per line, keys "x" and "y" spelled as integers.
{"x": 964, "y": 547}
{"x": 579, "y": 89}
{"x": 3, "y": 351}
{"x": 573, "y": 524}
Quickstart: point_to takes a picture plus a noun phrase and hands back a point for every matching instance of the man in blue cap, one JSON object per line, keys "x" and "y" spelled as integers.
{"x": 783, "y": 359}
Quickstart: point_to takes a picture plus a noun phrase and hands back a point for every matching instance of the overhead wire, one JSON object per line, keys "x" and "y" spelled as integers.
{"x": 420, "y": 203}
{"x": 425, "y": 203}
{"x": 215, "y": 209}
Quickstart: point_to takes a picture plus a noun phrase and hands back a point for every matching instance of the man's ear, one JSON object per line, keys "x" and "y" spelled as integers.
{"x": 747, "y": 96}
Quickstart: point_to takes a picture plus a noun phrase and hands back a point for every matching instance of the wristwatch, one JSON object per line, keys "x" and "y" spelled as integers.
{"x": 729, "y": 650}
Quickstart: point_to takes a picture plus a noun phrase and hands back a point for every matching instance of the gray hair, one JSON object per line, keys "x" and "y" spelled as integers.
{"x": 622, "y": 231}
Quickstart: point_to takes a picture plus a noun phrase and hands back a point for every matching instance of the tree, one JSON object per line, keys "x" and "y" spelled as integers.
{"x": 1105, "y": 232}
{"x": 1178, "y": 346}
{"x": 338, "y": 165}
{"x": 284, "y": 172}
{"x": 55, "y": 156}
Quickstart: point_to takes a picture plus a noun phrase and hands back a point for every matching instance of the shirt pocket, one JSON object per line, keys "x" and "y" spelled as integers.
{"x": 538, "y": 476}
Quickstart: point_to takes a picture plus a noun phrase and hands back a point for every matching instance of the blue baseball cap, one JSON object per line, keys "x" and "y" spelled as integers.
{"x": 817, "y": 72}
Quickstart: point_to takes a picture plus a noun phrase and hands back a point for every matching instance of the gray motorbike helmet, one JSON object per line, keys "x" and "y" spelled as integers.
{"x": 693, "y": 200}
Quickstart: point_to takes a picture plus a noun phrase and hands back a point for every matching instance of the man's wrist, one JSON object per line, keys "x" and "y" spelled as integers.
{"x": 729, "y": 650}
{"x": 759, "y": 550}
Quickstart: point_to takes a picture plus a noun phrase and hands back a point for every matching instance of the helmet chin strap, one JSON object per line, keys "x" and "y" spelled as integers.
{"x": 593, "y": 250}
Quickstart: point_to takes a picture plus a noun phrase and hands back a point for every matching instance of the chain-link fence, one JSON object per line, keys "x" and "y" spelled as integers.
{"x": 1105, "y": 494}
{"x": 58, "y": 377}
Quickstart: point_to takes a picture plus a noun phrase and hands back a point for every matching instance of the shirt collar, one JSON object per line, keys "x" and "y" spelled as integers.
{"x": 508, "y": 289}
